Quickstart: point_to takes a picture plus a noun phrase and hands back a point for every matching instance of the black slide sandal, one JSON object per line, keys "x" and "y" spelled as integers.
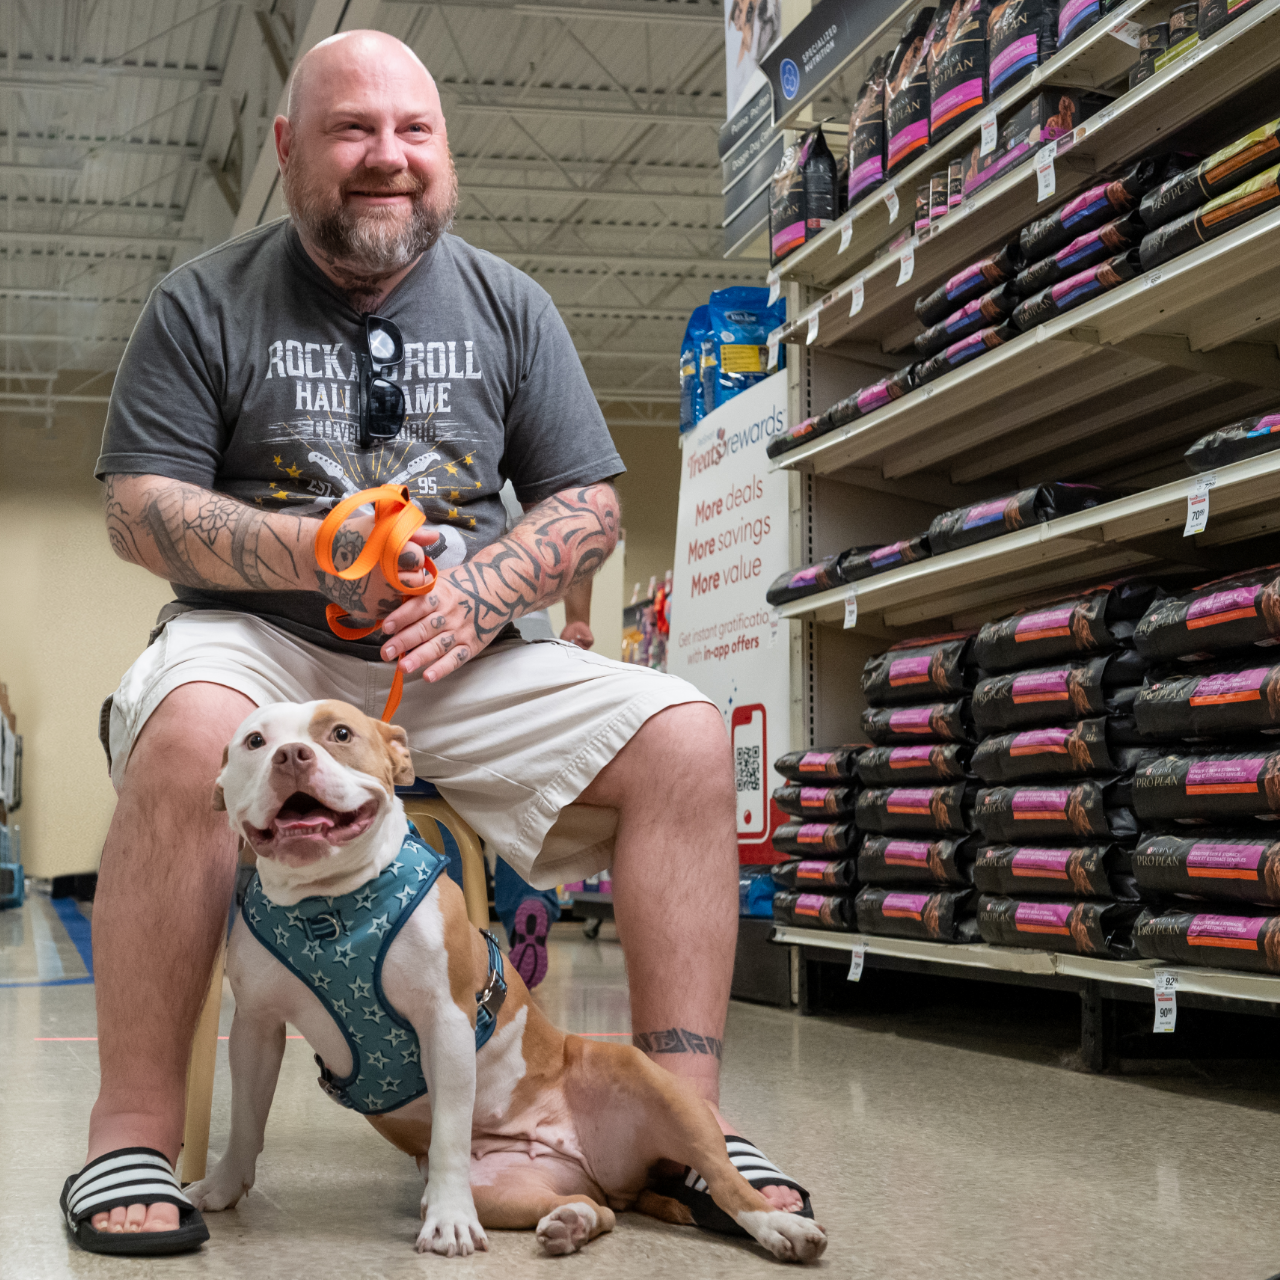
{"x": 132, "y": 1175}
{"x": 690, "y": 1189}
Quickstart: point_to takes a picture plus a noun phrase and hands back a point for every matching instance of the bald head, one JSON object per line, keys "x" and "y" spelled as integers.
{"x": 357, "y": 56}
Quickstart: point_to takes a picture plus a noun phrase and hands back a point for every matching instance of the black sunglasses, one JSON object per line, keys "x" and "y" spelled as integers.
{"x": 382, "y": 404}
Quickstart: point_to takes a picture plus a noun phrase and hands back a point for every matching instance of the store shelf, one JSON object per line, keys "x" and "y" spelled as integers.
{"x": 1132, "y": 125}
{"x": 1225, "y": 984}
{"x": 1190, "y": 313}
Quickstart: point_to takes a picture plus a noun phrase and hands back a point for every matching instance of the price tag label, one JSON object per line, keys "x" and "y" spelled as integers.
{"x": 1046, "y": 183}
{"x": 1127, "y": 32}
{"x": 857, "y": 295}
{"x": 970, "y": 206}
{"x": 1166, "y": 1000}
{"x": 857, "y": 958}
{"x": 907, "y": 262}
{"x": 1154, "y": 277}
{"x": 846, "y": 236}
{"x": 812, "y": 332}
{"x": 775, "y": 287}
{"x": 851, "y": 611}
{"x": 989, "y": 134}
{"x": 891, "y": 201}
{"x": 1198, "y": 505}
{"x": 773, "y": 355}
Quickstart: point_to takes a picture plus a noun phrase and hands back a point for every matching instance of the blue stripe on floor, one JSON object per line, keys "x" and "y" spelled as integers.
{"x": 78, "y": 929}
{"x": 51, "y": 982}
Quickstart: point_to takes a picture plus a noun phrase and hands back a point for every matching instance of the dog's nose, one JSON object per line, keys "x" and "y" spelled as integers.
{"x": 293, "y": 754}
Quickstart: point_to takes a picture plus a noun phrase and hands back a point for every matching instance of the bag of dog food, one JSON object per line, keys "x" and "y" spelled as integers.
{"x": 963, "y": 352}
{"x": 1086, "y": 928}
{"x": 886, "y": 390}
{"x": 1076, "y": 871}
{"x": 866, "y": 135}
{"x": 692, "y": 406}
{"x": 1208, "y": 788}
{"x": 1092, "y": 623}
{"x": 816, "y": 839}
{"x": 1226, "y": 865}
{"x": 937, "y": 916}
{"x": 906, "y": 93}
{"x": 924, "y": 762}
{"x": 802, "y": 194}
{"x": 916, "y": 669}
{"x": 813, "y": 911}
{"x": 967, "y": 525}
{"x": 801, "y": 433}
{"x": 955, "y": 184}
{"x": 893, "y": 860}
{"x": 1021, "y": 34}
{"x": 1219, "y": 941}
{"x": 922, "y": 209}
{"x": 1058, "y": 694}
{"x": 1082, "y": 287}
{"x": 990, "y": 309}
{"x": 817, "y": 877}
{"x": 856, "y": 564}
{"x": 975, "y": 280}
{"x": 741, "y": 321}
{"x": 1245, "y": 202}
{"x": 1075, "y": 17}
{"x": 905, "y": 809}
{"x": 817, "y": 804}
{"x": 938, "y": 195}
{"x": 1088, "y": 250}
{"x": 795, "y": 584}
{"x": 1044, "y": 117}
{"x": 1241, "y": 440}
{"x": 1229, "y": 613}
{"x": 820, "y": 199}
{"x": 822, "y": 762}
{"x": 949, "y": 721}
{"x": 1237, "y": 700}
{"x": 1101, "y": 204}
{"x": 957, "y": 65}
{"x": 1087, "y": 810}
{"x": 1062, "y": 751}
{"x": 1220, "y": 173}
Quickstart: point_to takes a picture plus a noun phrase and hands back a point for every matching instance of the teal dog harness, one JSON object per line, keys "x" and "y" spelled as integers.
{"x": 337, "y": 946}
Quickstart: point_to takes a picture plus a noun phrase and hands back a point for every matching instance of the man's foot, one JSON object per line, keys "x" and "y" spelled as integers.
{"x": 529, "y": 941}
{"x": 137, "y": 1217}
{"x": 787, "y": 1199}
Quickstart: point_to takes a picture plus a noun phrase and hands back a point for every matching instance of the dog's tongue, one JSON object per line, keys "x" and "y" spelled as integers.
{"x": 314, "y": 823}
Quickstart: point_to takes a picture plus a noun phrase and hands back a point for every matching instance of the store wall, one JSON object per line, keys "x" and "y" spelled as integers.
{"x": 650, "y": 493}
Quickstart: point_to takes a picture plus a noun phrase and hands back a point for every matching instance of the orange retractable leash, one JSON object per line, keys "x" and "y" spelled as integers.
{"x": 395, "y": 519}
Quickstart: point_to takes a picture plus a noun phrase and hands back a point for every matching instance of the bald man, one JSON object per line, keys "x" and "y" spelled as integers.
{"x": 239, "y": 418}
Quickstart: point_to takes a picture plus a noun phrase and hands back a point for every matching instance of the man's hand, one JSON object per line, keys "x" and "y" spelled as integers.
{"x": 577, "y": 615}
{"x": 371, "y": 597}
{"x": 578, "y": 633}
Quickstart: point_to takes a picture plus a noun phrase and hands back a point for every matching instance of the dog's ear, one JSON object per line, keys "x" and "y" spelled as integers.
{"x": 219, "y": 800}
{"x": 397, "y": 741}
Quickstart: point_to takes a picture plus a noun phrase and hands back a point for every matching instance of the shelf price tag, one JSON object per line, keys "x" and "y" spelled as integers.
{"x": 1198, "y": 505}
{"x": 857, "y": 958}
{"x": 1045, "y": 181}
{"x": 907, "y": 262}
{"x": 857, "y": 295}
{"x": 773, "y": 354}
{"x": 988, "y": 144}
{"x": 846, "y": 237}
{"x": 775, "y": 287}
{"x": 851, "y": 610}
{"x": 891, "y": 201}
{"x": 1166, "y": 1000}
{"x": 1154, "y": 277}
{"x": 1127, "y": 31}
{"x": 812, "y": 332}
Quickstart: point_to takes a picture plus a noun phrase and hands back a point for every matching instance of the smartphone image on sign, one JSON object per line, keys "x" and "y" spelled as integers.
{"x": 750, "y": 757}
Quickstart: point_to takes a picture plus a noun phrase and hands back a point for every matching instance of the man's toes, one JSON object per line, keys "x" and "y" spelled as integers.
{"x": 115, "y": 1221}
{"x": 134, "y": 1216}
{"x": 161, "y": 1217}
{"x": 787, "y": 1199}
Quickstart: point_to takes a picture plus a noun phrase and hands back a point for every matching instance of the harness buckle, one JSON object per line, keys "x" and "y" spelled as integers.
{"x": 325, "y": 1081}
{"x": 325, "y": 927}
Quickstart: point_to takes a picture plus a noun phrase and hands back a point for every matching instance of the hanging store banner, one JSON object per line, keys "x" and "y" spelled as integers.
{"x": 751, "y": 28}
{"x": 731, "y": 543}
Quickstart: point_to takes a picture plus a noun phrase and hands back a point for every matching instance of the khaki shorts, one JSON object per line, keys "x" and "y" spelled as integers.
{"x": 511, "y": 739}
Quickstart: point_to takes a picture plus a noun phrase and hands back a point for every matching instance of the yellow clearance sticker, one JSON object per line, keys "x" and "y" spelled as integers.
{"x": 743, "y": 359}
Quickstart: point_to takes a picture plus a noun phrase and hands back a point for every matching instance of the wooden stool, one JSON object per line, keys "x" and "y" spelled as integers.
{"x": 426, "y": 809}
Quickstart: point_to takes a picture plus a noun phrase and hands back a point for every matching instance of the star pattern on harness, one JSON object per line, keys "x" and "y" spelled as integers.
{"x": 389, "y": 1085}
{"x": 282, "y": 936}
{"x": 342, "y": 955}
{"x": 411, "y": 1054}
{"x": 394, "y": 1036}
{"x": 253, "y": 915}
{"x": 357, "y": 1036}
{"x": 379, "y": 925}
{"x": 371, "y": 1101}
{"x": 372, "y": 1013}
{"x": 321, "y": 979}
{"x": 342, "y": 1007}
{"x": 379, "y": 1059}
{"x": 312, "y": 950}
{"x": 360, "y": 989}
{"x": 423, "y": 873}
{"x": 405, "y": 895}
{"x": 364, "y": 899}
{"x": 294, "y": 920}
{"x": 396, "y": 867}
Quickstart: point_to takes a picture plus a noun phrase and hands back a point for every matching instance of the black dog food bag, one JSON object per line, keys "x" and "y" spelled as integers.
{"x": 1216, "y": 940}
{"x": 833, "y": 763}
{"x": 801, "y": 433}
{"x": 1046, "y": 116}
{"x": 1075, "y": 17}
{"x": 1021, "y": 34}
{"x": 955, "y": 184}
{"x": 821, "y": 840}
{"x": 938, "y": 195}
{"x": 795, "y": 584}
{"x": 817, "y": 877}
{"x": 857, "y": 564}
{"x": 1229, "y": 613}
{"x": 1076, "y": 871}
{"x": 1088, "y": 250}
{"x": 976, "y": 279}
{"x": 802, "y": 194}
{"x": 936, "y": 916}
{"x": 1035, "y": 814}
{"x": 896, "y": 860}
{"x": 1209, "y": 789}
{"x": 1226, "y": 865}
{"x": 1083, "y": 287}
{"x": 1247, "y": 439}
{"x": 924, "y": 762}
{"x": 1238, "y": 700}
{"x": 947, "y": 721}
{"x": 1060, "y": 751}
{"x": 967, "y": 525}
{"x": 1057, "y": 694}
{"x": 1086, "y": 928}
{"x": 906, "y": 93}
{"x": 992, "y": 308}
{"x": 881, "y": 393}
{"x": 866, "y": 135}
{"x": 818, "y": 804}
{"x": 918, "y": 669}
{"x": 819, "y": 171}
{"x": 813, "y": 910}
{"x": 957, "y": 65}
{"x": 1243, "y": 204}
{"x": 896, "y": 810}
{"x": 963, "y": 352}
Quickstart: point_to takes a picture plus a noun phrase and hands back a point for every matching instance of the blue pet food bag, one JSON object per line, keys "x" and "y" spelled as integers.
{"x": 741, "y": 321}
{"x": 692, "y": 405}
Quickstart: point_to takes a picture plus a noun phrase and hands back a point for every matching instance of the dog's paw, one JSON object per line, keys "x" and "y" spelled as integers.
{"x": 567, "y": 1229}
{"x": 787, "y": 1236}
{"x": 222, "y": 1189}
{"x": 451, "y": 1232}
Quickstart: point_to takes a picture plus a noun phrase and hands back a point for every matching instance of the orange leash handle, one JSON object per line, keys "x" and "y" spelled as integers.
{"x": 395, "y": 520}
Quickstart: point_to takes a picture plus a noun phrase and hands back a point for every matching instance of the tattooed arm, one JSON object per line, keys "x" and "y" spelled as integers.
{"x": 189, "y": 535}
{"x": 558, "y": 544}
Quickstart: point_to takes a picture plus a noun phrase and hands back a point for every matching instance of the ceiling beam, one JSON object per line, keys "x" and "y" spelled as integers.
{"x": 148, "y": 240}
{"x": 647, "y": 170}
{"x": 616, "y": 195}
{"x": 38, "y": 397}
{"x": 639, "y": 395}
{"x": 60, "y": 337}
{"x": 91, "y": 76}
{"x": 627, "y": 115}
{"x": 587, "y": 261}
{"x": 625, "y": 355}
{"x": 599, "y": 312}
{"x": 91, "y": 148}
{"x": 704, "y": 15}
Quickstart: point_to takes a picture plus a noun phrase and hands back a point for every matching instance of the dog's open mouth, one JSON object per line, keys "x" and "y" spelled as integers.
{"x": 303, "y": 817}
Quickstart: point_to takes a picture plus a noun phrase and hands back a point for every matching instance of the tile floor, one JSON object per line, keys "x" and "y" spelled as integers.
{"x": 947, "y": 1140}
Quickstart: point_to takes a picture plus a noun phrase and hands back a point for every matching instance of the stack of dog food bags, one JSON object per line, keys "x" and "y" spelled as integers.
{"x": 845, "y": 567}
{"x": 1210, "y": 806}
{"x": 916, "y": 806}
{"x": 1057, "y": 753}
{"x": 814, "y": 887}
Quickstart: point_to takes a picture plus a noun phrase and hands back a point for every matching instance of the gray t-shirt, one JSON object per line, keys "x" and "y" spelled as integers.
{"x": 240, "y": 377}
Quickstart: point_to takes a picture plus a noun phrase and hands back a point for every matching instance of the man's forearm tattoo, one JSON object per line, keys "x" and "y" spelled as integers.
{"x": 677, "y": 1040}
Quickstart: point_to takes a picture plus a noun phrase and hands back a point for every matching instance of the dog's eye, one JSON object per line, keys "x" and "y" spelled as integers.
{"x": 342, "y": 734}
{"x": 254, "y": 741}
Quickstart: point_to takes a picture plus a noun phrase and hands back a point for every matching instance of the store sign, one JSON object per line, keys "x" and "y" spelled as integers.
{"x": 731, "y": 543}
{"x": 749, "y": 30}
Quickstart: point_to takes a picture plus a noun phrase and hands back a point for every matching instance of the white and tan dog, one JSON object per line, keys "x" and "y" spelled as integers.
{"x": 536, "y": 1129}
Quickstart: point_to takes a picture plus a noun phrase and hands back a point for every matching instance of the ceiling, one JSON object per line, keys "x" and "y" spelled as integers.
{"x": 131, "y": 138}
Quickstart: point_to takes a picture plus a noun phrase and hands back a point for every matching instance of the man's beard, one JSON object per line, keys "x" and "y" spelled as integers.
{"x": 378, "y": 242}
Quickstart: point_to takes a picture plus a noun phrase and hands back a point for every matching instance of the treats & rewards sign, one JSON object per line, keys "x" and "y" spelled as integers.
{"x": 731, "y": 543}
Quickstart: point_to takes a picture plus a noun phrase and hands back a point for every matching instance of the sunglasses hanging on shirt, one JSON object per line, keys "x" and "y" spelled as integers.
{"x": 382, "y": 403}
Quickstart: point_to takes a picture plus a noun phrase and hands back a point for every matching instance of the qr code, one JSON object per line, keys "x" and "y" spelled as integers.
{"x": 746, "y": 769}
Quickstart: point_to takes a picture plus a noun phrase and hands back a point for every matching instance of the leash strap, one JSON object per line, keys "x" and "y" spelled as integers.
{"x": 395, "y": 520}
